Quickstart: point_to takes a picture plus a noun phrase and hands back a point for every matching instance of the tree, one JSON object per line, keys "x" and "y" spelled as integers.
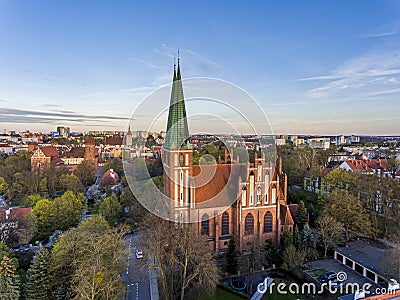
{"x": 3, "y": 186}
{"x": 330, "y": 229}
{"x": 68, "y": 210}
{"x": 42, "y": 216}
{"x": 38, "y": 286}
{"x": 111, "y": 209}
{"x": 71, "y": 183}
{"x": 9, "y": 280}
{"x": 183, "y": 258}
{"x": 286, "y": 239}
{"x": 307, "y": 238}
{"x": 293, "y": 260}
{"x": 301, "y": 215}
{"x": 271, "y": 255}
{"x": 85, "y": 173}
{"x": 347, "y": 209}
{"x": 231, "y": 257}
{"x": 87, "y": 260}
{"x": 297, "y": 237}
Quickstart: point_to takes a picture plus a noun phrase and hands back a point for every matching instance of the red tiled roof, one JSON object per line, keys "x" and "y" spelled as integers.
{"x": 217, "y": 183}
{"x": 367, "y": 165}
{"x": 114, "y": 141}
{"x": 109, "y": 177}
{"x": 20, "y": 213}
{"x": 49, "y": 151}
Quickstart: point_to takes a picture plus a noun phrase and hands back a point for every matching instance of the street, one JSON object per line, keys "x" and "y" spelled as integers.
{"x": 138, "y": 287}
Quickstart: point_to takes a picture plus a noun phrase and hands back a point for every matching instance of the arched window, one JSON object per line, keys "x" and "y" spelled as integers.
{"x": 205, "y": 224}
{"x": 225, "y": 224}
{"x": 268, "y": 222}
{"x": 249, "y": 224}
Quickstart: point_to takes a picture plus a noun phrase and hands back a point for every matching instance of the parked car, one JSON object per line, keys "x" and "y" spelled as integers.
{"x": 327, "y": 277}
{"x": 139, "y": 254}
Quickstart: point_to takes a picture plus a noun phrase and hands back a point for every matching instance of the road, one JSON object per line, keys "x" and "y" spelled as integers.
{"x": 137, "y": 273}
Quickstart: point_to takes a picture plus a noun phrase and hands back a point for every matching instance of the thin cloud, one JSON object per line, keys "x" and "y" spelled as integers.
{"x": 21, "y": 116}
{"x": 382, "y": 34}
{"x": 372, "y": 71}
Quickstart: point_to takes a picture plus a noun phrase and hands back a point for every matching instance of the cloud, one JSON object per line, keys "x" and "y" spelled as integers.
{"x": 373, "y": 71}
{"x": 382, "y": 34}
{"x": 12, "y": 115}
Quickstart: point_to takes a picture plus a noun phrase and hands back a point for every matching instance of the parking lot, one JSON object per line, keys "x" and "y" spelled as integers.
{"x": 322, "y": 266}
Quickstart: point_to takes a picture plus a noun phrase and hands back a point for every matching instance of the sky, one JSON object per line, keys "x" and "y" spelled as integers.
{"x": 314, "y": 67}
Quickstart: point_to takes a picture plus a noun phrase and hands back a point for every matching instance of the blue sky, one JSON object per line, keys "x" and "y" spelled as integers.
{"x": 315, "y": 67}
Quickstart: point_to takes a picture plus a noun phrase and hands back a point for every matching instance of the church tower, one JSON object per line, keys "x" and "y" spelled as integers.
{"x": 90, "y": 152}
{"x": 178, "y": 153}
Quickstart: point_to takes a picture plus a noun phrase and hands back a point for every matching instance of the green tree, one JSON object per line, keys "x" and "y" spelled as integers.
{"x": 85, "y": 173}
{"x": 68, "y": 210}
{"x": 347, "y": 210}
{"x": 87, "y": 260}
{"x": 38, "y": 285}
{"x": 286, "y": 239}
{"x": 9, "y": 280}
{"x": 111, "y": 209}
{"x": 271, "y": 254}
{"x": 231, "y": 257}
{"x": 297, "y": 237}
{"x": 307, "y": 238}
{"x": 43, "y": 217}
{"x": 71, "y": 183}
{"x": 3, "y": 186}
{"x": 301, "y": 215}
{"x": 293, "y": 260}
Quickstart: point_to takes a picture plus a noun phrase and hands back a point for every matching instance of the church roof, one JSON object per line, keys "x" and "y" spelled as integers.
{"x": 217, "y": 184}
{"x": 49, "y": 151}
{"x": 286, "y": 216}
{"x": 177, "y": 126}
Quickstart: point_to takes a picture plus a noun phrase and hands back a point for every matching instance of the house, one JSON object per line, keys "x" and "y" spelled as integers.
{"x": 113, "y": 146}
{"x": 367, "y": 166}
{"x": 6, "y": 149}
{"x": 13, "y": 225}
{"x": 43, "y": 157}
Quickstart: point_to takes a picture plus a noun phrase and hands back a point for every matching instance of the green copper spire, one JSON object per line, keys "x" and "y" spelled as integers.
{"x": 177, "y": 127}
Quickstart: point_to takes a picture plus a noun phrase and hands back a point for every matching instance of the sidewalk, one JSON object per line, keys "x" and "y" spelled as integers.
{"x": 154, "y": 294}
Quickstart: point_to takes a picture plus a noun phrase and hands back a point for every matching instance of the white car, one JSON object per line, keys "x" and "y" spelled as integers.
{"x": 139, "y": 254}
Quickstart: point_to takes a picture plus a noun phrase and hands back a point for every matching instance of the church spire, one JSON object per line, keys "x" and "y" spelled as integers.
{"x": 177, "y": 127}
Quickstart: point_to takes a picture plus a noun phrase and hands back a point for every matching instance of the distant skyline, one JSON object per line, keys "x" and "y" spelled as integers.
{"x": 314, "y": 67}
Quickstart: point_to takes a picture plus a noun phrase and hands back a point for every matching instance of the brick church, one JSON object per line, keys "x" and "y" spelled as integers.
{"x": 229, "y": 199}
